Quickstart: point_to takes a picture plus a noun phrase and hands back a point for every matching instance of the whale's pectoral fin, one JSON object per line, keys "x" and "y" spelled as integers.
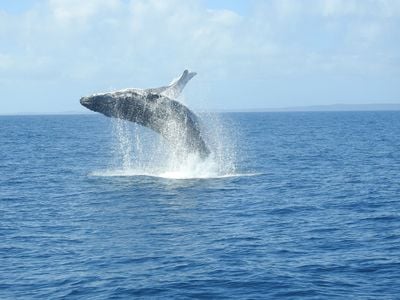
{"x": 175, "y": 88}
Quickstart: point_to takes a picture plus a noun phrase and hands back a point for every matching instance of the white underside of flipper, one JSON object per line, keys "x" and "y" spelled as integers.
{"x": 173, "y": 90}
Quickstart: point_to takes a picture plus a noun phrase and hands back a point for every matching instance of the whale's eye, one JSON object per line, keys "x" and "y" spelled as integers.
{"x": 153, "y": 96}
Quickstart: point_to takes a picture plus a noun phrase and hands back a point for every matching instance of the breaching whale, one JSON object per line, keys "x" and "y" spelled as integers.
{"x": 157, "y": 109}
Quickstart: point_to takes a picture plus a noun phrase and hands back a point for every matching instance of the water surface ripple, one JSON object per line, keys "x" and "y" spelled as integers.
{"x": 318, "y": 220}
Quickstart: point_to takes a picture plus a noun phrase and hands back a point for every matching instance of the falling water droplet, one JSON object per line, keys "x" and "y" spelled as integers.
{"x": 140, "y": 151}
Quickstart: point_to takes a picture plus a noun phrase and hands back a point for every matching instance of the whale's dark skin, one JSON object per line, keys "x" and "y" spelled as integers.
{"x": 153, "y": 108}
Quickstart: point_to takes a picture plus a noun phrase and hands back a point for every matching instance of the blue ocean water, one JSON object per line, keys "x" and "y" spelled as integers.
{"x": 313, "y": 213}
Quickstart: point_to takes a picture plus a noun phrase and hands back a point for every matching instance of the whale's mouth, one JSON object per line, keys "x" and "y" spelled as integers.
{"x": 85, "y": 101}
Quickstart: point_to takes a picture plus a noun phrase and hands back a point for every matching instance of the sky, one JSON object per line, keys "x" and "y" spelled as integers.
{"x": 249, "y": 54}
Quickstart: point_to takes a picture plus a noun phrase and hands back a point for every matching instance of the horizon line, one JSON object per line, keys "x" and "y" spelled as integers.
{"x": 306, "y": 108}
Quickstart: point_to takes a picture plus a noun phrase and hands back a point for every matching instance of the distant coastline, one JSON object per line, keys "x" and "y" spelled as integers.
{"x": 325, "y": 108}
{"x": 344, "y": 107}
{"x": 312, "y": 108}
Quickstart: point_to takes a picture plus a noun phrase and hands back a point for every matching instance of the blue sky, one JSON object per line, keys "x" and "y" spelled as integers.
{"x": 250, "y": 54}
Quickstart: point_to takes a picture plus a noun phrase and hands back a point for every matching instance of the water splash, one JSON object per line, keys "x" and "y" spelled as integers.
{"x": 124, "y": 146}
{"x": 140, "y": 151}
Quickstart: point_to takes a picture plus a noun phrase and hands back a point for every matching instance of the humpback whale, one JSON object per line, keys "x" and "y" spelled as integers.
{"x": 157, "y": 109}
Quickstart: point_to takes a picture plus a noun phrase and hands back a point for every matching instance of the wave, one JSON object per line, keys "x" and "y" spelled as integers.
{"x": 165, "y": 175}
{"x": 190, "y": 168}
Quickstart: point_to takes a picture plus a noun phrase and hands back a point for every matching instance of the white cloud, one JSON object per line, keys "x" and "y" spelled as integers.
{"x": 372, "y": 8}
{"x": 340, "y": 7}
{"x": 6, "y": 62}
{"x": 67, "y": 11}
{"x": 115, "y": 34}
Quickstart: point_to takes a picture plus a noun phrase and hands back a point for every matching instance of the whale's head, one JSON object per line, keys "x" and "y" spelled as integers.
{"x": 117, "y": 104}
{"x": 106, "y": 103}
{"x": 98, "y": 102}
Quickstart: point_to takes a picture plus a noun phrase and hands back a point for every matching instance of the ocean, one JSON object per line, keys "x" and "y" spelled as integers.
{"x": 301, "y": 205}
